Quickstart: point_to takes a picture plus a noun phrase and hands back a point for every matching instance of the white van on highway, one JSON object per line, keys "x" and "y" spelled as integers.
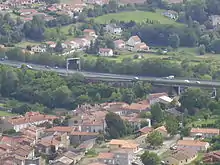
{"x": 170, "y": 77}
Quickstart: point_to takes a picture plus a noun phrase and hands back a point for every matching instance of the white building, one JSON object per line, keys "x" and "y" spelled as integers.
{"x": 193, "y": 144}
{"x": 113, "y": 29}
{"x": 204, "y": 132}
{"x": 21, "y": 122}
{"x": 106, "y": 52}
{"x": 38, "y": 49}
{"x": 134, "y": 40}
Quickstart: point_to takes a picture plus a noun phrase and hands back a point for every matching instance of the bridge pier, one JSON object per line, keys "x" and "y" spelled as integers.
{"x": 214, "y": 93}
{"x": 179, "y": 90}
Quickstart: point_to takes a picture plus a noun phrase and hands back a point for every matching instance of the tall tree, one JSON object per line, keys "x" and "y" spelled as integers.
{"x": 174, "y": 40}
{"x": 150, "y": 158}
{"x": 157, "y": 113}
{"x": 116, "y": 127}
{"x": 172, "y": 125}
{"x": 194, "y": 99}
{"x": 58, "y": 47}
{"x": 155, "y": 139}
{"x": 128, "y": 96}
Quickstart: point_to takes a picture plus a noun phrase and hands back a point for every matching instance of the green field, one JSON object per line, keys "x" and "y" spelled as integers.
{"x": 4, "y": 113}
{"x": 138, "y": 16}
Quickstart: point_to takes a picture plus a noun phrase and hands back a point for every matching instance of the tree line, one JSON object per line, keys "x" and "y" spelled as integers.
{"x": 52, "y": 90}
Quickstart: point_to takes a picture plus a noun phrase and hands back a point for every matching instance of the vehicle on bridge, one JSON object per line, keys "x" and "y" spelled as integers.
{"x": 170, "y": 77}
{"x": 135, "y": 78}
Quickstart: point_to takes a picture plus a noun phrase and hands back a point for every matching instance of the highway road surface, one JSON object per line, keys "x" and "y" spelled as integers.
{"x": 118, "y": 77}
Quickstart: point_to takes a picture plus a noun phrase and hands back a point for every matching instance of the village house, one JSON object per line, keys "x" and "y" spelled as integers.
{"x": 211, "y": 157}
{"x": 181, "y": 157}
{"x": 25, "y": 12}
{"x": 19, "y": 151}
{"x": 119, "y": 44}
{"x": 193, "y": 145}
{"x": 52, "y": 143}
{"x": 78, "y": 8}
{"x": 140, "y": 47}
{"x": 116, "y": 107}
{"x": 165, "y": 100}
{"x": 22, "y": 2}
{"x": 134, "y": 40}
{"x": 106, "y": 52}
{"x": 121, "y": 156}
{"x": 60, "y": 129}
{"x": 135, "y": 120}
{"x": 96, "y": 2}
{"x": 69, "y": 158}
{"x": 78, "y": 137}
{"x": 215, "y": 19}
{"x": 17, "y": 140}
{"x": 145, "y": 130}
{"x": 33, "y": 132}
{"x": 38, "y": 49}
{"x": 80, "y": 43}
{"x": 89, "y": 121}
{"x": 204, "y": 132}
{"x": 155, "y": 97}
{"x": 129, "y": 145}
{"x": 89, "y": 32}
{"x": 93, "y": 126}
{"x": 135, "y": 108}
{"x": 20, "y": 122}
{"x": 163, "y": 131}
{"x": 72, "y": 44}
{"x": 50, "y": 44}
{"x": 142, "y": 134}
{"x": 113, "y": 29}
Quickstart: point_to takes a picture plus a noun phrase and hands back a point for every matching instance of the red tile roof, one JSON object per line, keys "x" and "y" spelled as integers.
{"x": 118, "y": 42}
{"x": 136, "y": 106}
{"x": 30, "y": 117}
{"x": 85, "y": 133}
{"x": 146, "y": 130}
{"x": 205, "y": 130}
{"x": 136, "y": 38}
{"x": 191, "y": 143}
{"x": 105, "y": 155}
{"x": 60, "y": 129}
{"x": 104, "y": 50}
{"x": 88, "y": 30}
{"x": 156, "y": 95}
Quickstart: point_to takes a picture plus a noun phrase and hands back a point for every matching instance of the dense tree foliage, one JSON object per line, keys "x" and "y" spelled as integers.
{"x": 155, "y": 139}
{"x": 51, "y": 90}
{"x": 157, "y": 113}
{"x": 194, "y": 99}
{"x": 172, "y": 125}
{"x": 150, "y": 158}
{"x": 116, "y": 127}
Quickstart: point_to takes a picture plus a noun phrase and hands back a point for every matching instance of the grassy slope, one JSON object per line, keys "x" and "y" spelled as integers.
{"x": 138, "y": 16}
{"x": 3, "y": 113}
